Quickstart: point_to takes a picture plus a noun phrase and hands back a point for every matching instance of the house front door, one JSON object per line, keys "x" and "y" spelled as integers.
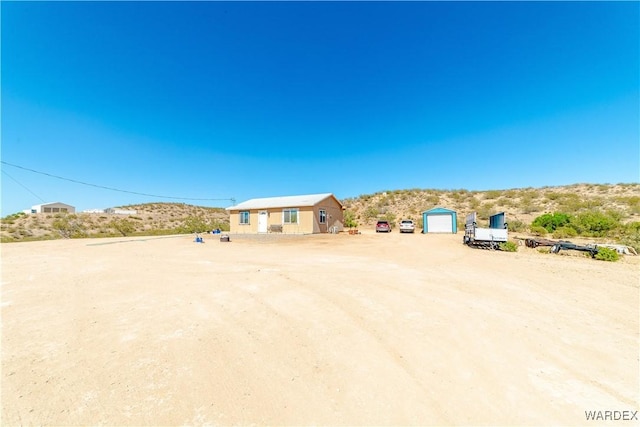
{"x": 263, "y": 219}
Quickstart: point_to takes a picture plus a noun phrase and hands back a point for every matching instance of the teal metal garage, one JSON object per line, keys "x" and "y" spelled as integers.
{"x": 439, "y": 220}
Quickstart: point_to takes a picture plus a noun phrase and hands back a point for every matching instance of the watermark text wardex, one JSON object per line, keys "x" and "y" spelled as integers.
{"x": 611, "y": 415}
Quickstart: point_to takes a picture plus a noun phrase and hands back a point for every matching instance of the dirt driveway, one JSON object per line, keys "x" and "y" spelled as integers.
{"x": 371, "y": 329}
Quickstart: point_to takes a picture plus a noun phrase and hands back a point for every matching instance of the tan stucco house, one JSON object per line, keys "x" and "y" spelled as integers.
{"x": 307, "y": 214}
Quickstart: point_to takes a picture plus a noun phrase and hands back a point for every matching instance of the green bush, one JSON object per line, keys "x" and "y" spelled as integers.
{"x": 629, "y": 234}
{"x": 350, "y": 219}
{"x": 195, "y": 224}
{"x": 68, "y": 226}
{"x": 595, "y": 223}
{"x": 607, "y": 254}
{"x": 122, "y": 226}
{"x": 492, "y": 194}
{"x": 371, "y": 212}
{"x": 538, "y": 230}
{"x": 516, "y": 225}
{"x": 552, "y": 221}
{"x": 509, "y": 247}
{"x": 564, "y": 232}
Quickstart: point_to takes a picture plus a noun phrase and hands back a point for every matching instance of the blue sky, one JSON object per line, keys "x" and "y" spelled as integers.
{"x": 221, "y": 100}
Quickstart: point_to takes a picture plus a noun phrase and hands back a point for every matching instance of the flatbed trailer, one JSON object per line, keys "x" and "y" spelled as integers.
{"x": 487, "y": 238}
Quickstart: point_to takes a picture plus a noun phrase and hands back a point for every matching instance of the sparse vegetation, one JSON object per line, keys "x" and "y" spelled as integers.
{"x": 509, "y": 246}
{"x": 607, "y": 254}
{"x": 580, "y": 210}
{"x": 350, "y": 219}
{"x": 150, "y": 219}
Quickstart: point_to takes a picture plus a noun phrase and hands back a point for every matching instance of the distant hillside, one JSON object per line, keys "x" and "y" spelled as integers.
{"x": 522, "y": 206}
{"x": 150, "y": 219}
{"x": 519, "y": 204}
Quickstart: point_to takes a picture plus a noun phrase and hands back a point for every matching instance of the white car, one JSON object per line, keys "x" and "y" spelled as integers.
{"x": 407, "y": 226}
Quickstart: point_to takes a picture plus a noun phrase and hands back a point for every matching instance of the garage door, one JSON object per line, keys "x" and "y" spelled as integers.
{"x": 439, "y": 224}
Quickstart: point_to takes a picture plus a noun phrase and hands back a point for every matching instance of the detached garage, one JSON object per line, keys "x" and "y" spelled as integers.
{"x": 439, "y": 220}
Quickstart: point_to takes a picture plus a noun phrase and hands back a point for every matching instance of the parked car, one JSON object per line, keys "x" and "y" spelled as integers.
{"x": 407, "y": 226}
{"x": 383, "y": 226}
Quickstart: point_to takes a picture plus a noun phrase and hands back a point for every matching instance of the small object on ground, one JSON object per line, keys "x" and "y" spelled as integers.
{"x": 562, "y": 245}
{"x": 225, "y": 238}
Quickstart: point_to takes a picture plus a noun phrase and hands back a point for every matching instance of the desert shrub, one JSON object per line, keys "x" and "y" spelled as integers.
{"x": 629, "y": 234}
{"x": 68, "y": 226}
{"x": 544, "y": 250}
{"x": 432, "y": 200}
{"x": 569, "y": 202}
{"x": 595, "y": 223}
{"x": 517, "y": 225}
{"x": 391, "y": 217}
{"x": 564, "y": 232}
{"x": 633, "y": 202}
{"x": 492, "y": 194}
{"x": 122, "y": 226}
{"x": 538, "y": 230}
{"x": 509, "y": 247}
{"x": 350, "y": 219}
{"x": 528, "y": 207}
{"x": 485, "y": 210}
{"x": 195, "y": 224}
{"x": 10, "y": 218}
{"x": 474, "y": 204}
{"x": 551, "y": 222}
{"x": 371, "y": 212}
{"x": 607, "y": 254}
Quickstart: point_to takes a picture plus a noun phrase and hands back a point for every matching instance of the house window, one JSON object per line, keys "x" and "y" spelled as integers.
{"x": 323, "y": 216}
{"x": 244, "y": 217}
{"x": 290, "y": 216}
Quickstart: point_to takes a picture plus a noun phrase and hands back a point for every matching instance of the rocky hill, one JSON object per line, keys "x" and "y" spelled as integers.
{"x": 149, "y": 219}
{"x": 520, "y": 205}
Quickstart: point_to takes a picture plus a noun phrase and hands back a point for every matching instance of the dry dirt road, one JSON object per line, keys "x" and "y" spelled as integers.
{"x": 370, "y": 329}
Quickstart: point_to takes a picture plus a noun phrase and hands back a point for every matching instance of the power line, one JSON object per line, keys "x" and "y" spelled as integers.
{"x": 110, "y": 188}
{"x": 24, "y": 186}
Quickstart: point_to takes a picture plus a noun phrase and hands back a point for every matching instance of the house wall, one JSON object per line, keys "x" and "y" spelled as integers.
{"x": 335, "y": 216}
{"x": 308, "y": 219}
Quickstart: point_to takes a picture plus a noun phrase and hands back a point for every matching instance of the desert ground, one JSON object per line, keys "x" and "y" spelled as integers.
{"x": 369, "y": 329}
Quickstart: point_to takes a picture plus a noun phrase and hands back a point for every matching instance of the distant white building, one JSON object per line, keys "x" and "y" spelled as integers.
{"x": 113, "y": 211}
{"x": 53, "y": 207}
{"x": 118, "y": 211}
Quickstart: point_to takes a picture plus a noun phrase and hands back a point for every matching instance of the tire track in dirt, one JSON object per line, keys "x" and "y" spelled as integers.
{"x": 349, "y": 306}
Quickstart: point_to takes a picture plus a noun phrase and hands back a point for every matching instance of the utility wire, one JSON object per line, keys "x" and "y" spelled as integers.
{"x": 23, "y": 186}
{"x": 109, "y": 188}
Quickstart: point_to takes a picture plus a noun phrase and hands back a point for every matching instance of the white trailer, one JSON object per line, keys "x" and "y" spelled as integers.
{"x": 489, "y": 238}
